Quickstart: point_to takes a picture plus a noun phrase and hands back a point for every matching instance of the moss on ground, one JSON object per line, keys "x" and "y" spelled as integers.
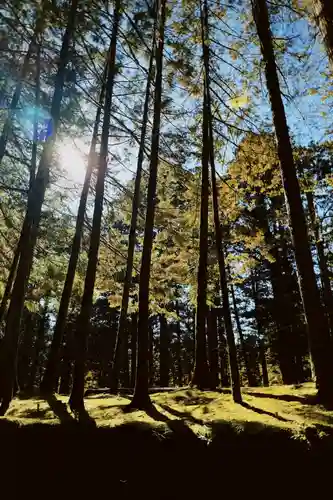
{"x": 286, "y": 407}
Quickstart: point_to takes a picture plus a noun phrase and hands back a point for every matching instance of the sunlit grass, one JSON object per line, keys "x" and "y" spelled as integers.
{"x": 286, "y": 407}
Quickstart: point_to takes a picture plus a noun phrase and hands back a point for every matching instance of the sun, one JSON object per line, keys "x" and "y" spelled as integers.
{"x": 72, "y": 157}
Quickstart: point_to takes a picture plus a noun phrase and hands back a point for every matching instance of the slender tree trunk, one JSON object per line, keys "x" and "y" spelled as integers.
{"x": 134, "y": 218}
{"x": 25, "y": 351}
{"x": 224, "y": 365}
{"x": 213, "y": 355}
{"x": 9, "y": 344}
{"x": 263, "y": 362}
{"x": 250, "y": 378}
{"x": 164, "y": 352}
{"x": 201, "y": 376}
{"x": 235, "y": 379}
{"x": 125, "y": 379}
{"x": 50, "y": 375}
{"x": 324, "y": 17}
{"x": 81, "y": 334}
{"x": 151, "y": 374}
{"x": 33, "y": 167}
{"x": 179, "y": 347}
{"x": 35, "y": 364}
{"x": 18, "y": 89}
{"x": 319, "y": 337}
{"x": 141, "y": 397}
{"x": 134, "y": 347}
{"x": 259, "y": 329}
{"x": 322, "y": 261}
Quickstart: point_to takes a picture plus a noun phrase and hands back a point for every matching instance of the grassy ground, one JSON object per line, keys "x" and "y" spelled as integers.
{"x": 287, "y": 407}
{"x": 192, "y": 445}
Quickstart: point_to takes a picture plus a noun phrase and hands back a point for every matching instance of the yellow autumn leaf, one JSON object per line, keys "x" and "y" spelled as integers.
{"x": 240, "y": 101}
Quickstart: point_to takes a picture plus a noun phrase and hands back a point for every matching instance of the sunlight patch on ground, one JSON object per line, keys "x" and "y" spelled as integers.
{"x": 277, "y": 406}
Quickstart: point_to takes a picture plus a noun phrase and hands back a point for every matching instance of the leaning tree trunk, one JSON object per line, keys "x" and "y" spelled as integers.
{"x": 9, "y": 344}
{"x": 235, "y": 379}
{"x": 134, "y": 218}
{"x": 322, "y": 260}
{"x": 141, "y": 397}
{"x": 81, "y": 334}
{"x": 50, "y": 376}
{"x": 33, "y": 166}
{"x": 318, "y": 331}
{"x": 323, "y": 10}
{"x": 18, "y": 89}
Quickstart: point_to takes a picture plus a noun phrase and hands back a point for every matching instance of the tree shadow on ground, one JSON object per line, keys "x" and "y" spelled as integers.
{"x": 191, "y": 399}
{"x": 30, "y": 413}
{"x": 182, "y": 414}
{"x": 261, "y": 411}
{"x": 59, "y": 409}
{"x": 289, "y": 398}
{"x": 311, "y": 414}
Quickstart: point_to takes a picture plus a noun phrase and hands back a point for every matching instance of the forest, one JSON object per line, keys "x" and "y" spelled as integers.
{"x": 166, "y": 213}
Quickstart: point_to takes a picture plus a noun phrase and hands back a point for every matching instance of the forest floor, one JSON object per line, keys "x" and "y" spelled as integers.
{"x": 192, "y": 444}
{"x": 288, "y": 407}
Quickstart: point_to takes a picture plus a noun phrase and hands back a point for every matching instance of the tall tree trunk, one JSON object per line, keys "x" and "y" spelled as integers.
{"x": 40, "y": 20}
{"x": 263, "y": 362}
{"x": 25, "y": 350}
{"x": 213, "y": 355}
{"x": 235, "y": 379}
{"x": 39, "y": 342}
{"x": 261, "y": 340}
{"x": 141, "y": 397}
{"x": 134, "y": 218}
{"x": 33, "y": 167}
{"x": 9, "y": 344}
{"x": 179, "y": 347}
{"x": 164, "y": 352}
{"x": 83, "y": 323}
{"x": 322, "y": 261}
{"x": 324, "y": 17}
{"x": 224, "y": 364}
{"x": 201, "y": 376}
{"x": 50, "y": 375}
{"x": 250, "y": 377}
{"x": 151, "y": 370}
{"x": 134, "y": 347}
{"x": 319, "y": 337}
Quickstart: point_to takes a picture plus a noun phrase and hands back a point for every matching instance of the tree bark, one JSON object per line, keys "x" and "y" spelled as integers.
{"x": 33, "y": 167}
{"x": 179, "y": 347}
{"x": 83, "y": 323}
{"x": 141, "y": 397}
{"x": 134, "y": 218}
{"x": 213, "y": 355}
{"x": 324, "y": 17}
{"x": 134, "y": 347}
{"x": 250, "y": 378}
{"x": 50, "y": 375}
{"x": 40, "y": 337}
{"x": 224, "y": 365}
{"x": 235, "y": 379}
{"x": 164, "y": 352}
{"x": 9, "y": 344}
{"x": 18, "y": 89}
{"x": 318, "y": 331}
{"x": 201, "y": 376}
